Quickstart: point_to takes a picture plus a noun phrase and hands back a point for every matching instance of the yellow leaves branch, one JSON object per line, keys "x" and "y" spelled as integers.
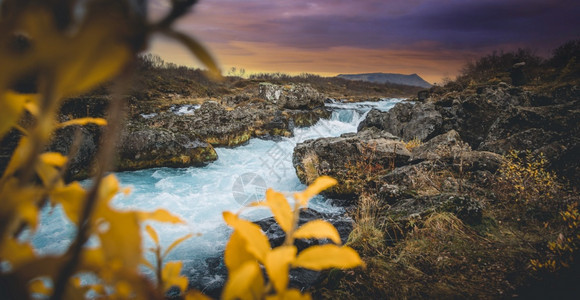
{"x": 248, "y": 247}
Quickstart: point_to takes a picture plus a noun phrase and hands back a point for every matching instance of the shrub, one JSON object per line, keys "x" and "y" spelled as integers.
{"x": 564, "y": 250}
{"x": 525, "y": 181}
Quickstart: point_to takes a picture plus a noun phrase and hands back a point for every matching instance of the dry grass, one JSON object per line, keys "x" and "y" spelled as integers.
{"x": 367, "y": 235}
{"x": 310, "y": 163}
{"x": 415, "y": 142}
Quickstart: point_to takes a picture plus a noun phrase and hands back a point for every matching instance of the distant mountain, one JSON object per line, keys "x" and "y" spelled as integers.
{"x": 412, "y": 80}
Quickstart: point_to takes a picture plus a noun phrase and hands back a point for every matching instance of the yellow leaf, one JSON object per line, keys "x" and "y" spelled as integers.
{"x": 19, "y": 203}
{"x": 171, "y": 277}
{"x": 15, "y": 252}
{"x": 160, "y": 215}
{"x": 318, "y": 229}
{"x": 280, "y": 209}
{"x": 196, "y": 295}
{"x": 175, "y": 243}
{"x": 328, "y": 256}
{"x": 84, "y": 121}
{"x": 18, "y": 156}
{"x": 147, "y": 264}
{"x": 37, "y": 286}
{"x": 54, "y": 159}
{"x": 236, "y": 253}
{"x": 11, "y": 107}
{"x": 246, "y": 282}
{"x": 48, "y": 174}
{"x": 198, "y": 50}
{"x": 256, "y": 241}
{"x": 92, "y": 259}
{"x": 278, "y": 264}
{"x": 152, "y": 233}
{"x": 319, "y": 185}
{"x": 72, "y": 198}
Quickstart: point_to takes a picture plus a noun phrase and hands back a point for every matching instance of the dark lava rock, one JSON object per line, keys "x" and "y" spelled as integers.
{"x": 335, "y": 157}
{"x": 157, "y": 147}
{"x": 407, "y": 120}
{"x": 297, "y": 96}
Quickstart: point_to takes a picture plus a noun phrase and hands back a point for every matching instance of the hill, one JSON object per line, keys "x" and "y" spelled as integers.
{"x": 412, "y": 80}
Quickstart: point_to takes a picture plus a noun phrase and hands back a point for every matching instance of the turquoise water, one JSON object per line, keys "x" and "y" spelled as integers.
{"x": 200, "y": 195}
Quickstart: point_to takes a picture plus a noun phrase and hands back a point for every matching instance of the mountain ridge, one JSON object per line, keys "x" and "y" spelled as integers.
{"x": 396, "y": 78}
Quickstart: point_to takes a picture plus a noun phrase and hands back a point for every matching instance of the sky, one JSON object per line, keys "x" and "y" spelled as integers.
{"x": 433, "y": 38}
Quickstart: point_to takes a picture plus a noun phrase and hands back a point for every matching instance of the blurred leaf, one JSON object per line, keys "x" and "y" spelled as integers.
{"x": 147, "y": 264}
{"x": 84, "y": 121}
{"x": 320, "y": 184}
{"x": 15, "y": 252}
{"x": 198, "y": 50}
{"x": 246, "y": 282}
{"x": 160, "y": 215}
{"x": 280, "y": 209}
{"x": 236, "y": 253}
{"x": 328, "y": 256}
{"x": 175, "y": 243}
{"x": 54, "y": 159}
{"x": 72, "y": 198}
{"x": 37, "y": 286}
{"x": 277, "y": 265}
{"x": 256, "y": 241}
{"x": 11, "y": 108}
{"x": 318, "y": 229}
{"x": 153, "y": 234}
{"x": 171, "y": 276}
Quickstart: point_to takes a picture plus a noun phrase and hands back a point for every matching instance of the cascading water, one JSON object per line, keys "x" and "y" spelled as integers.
{"x": 199, "y": 195}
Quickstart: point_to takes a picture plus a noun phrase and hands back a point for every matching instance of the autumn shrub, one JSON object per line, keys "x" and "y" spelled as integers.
{"x": 563, "y": 251}
{"x": 524, "y": 181}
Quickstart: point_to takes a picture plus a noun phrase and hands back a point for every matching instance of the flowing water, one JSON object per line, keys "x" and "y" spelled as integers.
{"x": 199, "y": 195}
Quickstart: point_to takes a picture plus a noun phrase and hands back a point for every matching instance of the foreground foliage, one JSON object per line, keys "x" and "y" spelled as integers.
{"x": 49, "y": 52}
{"x": 249, "y": 249}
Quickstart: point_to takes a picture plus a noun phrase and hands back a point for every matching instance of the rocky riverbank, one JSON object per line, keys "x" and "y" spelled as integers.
{"x": 185, "y": 135}
{"x": 428, "y": 172}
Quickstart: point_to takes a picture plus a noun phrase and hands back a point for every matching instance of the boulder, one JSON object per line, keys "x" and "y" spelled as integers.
{"x": 341, "y": 157}
{"x": 158, "y": 147}
{"x": 296, "y": 96}
{"x": 407, "y": 120}
{"x": 465, "y": 208}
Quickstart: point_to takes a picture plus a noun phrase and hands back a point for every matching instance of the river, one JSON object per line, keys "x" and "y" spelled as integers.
{"x": 199, "y": 195}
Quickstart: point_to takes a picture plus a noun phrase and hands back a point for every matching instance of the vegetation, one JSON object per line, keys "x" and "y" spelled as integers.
{"x": 536, "y": 71}
{"x": 248, "y": 249}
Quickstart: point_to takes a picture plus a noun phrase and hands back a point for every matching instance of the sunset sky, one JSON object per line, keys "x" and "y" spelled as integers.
{"x": 432, "y": 38}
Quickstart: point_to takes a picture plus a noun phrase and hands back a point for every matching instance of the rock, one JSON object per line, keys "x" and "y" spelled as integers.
{"x": 157, "y": 147}
{"x": 297, "y": 96}
{"x": 465, "y": 208}
{"x": 407, "y": 120}
{"x": 337, "y": 157}
{"x": 443, "y": 146}
{"x": 276, "y": 235}
{"x": 423, "y": 95}
{"x": 80, "y": 164}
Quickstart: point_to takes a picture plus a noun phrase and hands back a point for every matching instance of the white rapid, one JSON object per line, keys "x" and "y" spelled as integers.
{"x": 200, "y": 195}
